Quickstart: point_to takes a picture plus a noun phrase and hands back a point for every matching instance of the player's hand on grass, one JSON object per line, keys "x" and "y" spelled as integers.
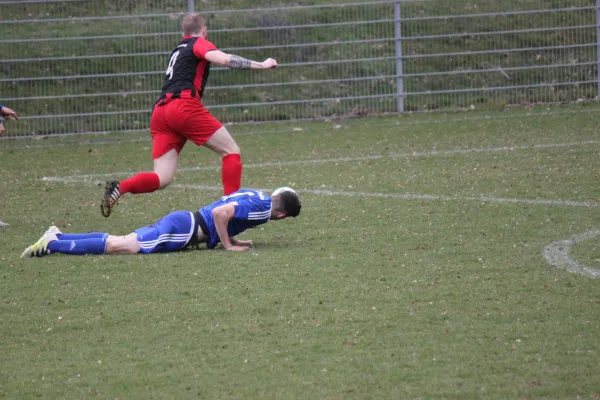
{"x": 2, "y": 129}
{"x": 238, "y": 242}
{"x": 238, "y": 248}
{"x": 269, "y": 63}
{"x": 8, "y": 113}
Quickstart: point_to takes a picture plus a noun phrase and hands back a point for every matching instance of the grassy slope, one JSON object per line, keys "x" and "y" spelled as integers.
{"x": 150, "y": 83}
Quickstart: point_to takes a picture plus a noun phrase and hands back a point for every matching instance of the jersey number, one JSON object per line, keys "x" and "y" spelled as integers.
{"x": 171, "y": 65}
{"x": 236, "y": 194}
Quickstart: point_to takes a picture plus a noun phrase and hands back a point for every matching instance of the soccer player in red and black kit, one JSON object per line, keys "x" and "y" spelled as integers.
{"x": 179, "y": 115}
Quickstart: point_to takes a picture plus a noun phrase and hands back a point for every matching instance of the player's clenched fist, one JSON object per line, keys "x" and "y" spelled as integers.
{"x": 269, "y": 63}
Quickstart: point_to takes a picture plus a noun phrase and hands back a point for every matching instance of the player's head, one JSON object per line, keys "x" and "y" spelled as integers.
{"x": 193, "y": 25}
{"x": 285, "y": 203}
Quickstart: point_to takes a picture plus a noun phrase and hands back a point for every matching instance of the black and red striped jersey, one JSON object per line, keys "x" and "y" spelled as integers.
{"x": 187, "y": 67}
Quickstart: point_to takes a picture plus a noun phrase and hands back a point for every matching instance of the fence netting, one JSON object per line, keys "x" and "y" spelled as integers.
{"x": 79, "y": 66}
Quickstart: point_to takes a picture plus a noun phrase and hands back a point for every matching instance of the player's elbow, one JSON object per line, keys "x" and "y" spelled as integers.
{"x": 223, "y": 213}
{"x": 218, "y": 214}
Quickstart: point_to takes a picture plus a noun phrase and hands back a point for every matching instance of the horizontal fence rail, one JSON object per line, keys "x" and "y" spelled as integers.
{"x": 82, "y": 66}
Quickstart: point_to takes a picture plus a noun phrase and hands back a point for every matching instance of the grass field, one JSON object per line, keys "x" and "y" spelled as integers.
{"x": 415, "y": 269}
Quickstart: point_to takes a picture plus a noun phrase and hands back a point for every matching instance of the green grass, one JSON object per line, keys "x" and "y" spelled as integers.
{"x": 359, "y": 297}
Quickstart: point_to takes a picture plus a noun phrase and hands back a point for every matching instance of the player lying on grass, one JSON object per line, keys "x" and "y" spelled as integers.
{"x": 218, "y": 222}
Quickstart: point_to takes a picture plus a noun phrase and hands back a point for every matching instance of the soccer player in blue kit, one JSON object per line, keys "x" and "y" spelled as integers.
{"x": 220, "y": 221}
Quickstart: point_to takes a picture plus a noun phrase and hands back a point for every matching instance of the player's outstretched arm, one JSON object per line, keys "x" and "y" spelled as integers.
{"x": 8, "y": 113}
{"x": 222, "y": 215}
{"x": 237, "y": 62}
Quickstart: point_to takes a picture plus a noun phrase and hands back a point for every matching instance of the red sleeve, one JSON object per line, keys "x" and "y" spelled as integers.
{"x": 203, "y": 46}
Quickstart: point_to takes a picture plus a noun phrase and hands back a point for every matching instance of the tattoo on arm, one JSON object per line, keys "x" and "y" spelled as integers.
{"x": 237, "y": 62}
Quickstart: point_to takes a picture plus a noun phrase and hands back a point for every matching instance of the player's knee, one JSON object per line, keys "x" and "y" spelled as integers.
{"x": 165, "y": 177}
{"x": 225, "y": 151}
{"x": 164, "y": 180}
{"x": 122, "y": 244}
{"x": 230, "y": 147}
{"x": 233, "y": 149}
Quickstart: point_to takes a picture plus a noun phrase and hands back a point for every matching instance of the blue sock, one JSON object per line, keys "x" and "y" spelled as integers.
{"x": 78, "y": 236}
{"x": 79, "y": 247}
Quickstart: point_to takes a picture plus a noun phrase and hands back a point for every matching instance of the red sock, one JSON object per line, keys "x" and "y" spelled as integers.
{"x": 231, "y": 173}
{"x": 144, "y": 182}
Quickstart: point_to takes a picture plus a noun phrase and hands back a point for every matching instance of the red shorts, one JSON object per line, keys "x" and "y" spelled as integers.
{"x": 177, "y": 120}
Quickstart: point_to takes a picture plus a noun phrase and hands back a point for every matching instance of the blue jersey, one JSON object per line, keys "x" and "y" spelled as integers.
{"x": 252, "y": 208}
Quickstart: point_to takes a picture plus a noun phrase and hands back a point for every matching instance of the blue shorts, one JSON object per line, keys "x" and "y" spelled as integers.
{"x": 171, "y": 233}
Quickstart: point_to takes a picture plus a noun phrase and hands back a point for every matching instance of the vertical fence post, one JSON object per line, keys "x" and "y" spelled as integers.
{"x": 398, "y": 39}
{"x": 191, "y": 6}
{"x": 598, "y": 43}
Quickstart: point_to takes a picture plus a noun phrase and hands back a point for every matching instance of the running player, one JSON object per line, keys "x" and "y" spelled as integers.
{"x": 220, "y": 221}
{"x": 179, "y": 115}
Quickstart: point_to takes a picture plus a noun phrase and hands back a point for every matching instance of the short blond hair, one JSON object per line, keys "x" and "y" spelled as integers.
{"x": 192, "y": 24}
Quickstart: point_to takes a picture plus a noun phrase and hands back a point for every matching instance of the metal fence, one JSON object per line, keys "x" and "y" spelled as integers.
{"x": 467, "y": 54}
{"x": 77, "y": 66}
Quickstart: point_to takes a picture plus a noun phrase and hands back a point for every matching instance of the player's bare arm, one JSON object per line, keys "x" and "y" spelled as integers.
{"x": 236, "y": 62}
{"x": 8, "y": 113}
{"x": 222, "y": 215}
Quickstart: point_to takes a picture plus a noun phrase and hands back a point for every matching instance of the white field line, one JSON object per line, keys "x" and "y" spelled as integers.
{"x": 82, "y": 142}
{"x": 483, "y": 199}
{"x": 400, "y": 196}
{"x": 400, "y": 122}
{"x": 557, "y": 254}
{"x": 412, "y": 196}
{"x": 358, "y": 158}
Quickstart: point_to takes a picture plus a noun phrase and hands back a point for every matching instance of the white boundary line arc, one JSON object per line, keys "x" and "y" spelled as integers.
{"x": 359, "y": 158}
{"x": 557, "y": 254}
